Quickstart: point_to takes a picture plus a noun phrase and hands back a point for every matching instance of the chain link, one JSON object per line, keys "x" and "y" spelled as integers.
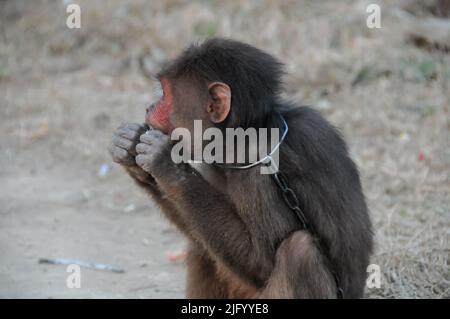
{"x": 290, "y": 198}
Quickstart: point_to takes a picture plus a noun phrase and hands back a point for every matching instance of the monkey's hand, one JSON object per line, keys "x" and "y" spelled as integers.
{"x": 153, "y": 149}
{"x": 123, "y": 149}
{"x": 124, "y": 141}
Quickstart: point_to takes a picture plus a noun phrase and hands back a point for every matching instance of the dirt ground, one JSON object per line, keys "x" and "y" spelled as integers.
{"x": 63, "y": 91}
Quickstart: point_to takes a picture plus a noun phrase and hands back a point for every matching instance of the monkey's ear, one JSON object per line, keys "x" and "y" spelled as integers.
{"x": 220, "y": 103}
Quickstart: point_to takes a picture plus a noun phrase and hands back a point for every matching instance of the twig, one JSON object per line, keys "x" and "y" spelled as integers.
{"x": 85, "y": 264}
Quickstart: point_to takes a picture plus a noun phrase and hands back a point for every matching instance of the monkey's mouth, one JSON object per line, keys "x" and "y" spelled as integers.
{"x": 158, "y": 113}
{"x": 151, "y": 116}
{"x": 155, "y": 117}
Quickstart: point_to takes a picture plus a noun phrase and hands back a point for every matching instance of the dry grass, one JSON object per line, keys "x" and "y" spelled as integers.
{"x": 62, "y": 92}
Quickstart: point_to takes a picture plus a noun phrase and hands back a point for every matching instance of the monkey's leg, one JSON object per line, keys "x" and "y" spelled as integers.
{"x": 202, "y": 279}
{"x": 300, "y": 271}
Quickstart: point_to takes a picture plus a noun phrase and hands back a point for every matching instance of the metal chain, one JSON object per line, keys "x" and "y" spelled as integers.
{"x": 290, "y": 198}
{"x": 293, "y": 203}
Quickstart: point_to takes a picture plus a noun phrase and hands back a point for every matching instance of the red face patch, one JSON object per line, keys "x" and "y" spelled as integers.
{"x": 158, "y": 115}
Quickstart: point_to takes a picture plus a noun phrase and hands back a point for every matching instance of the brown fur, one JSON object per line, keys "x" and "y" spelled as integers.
{"x": 245, "y": 242}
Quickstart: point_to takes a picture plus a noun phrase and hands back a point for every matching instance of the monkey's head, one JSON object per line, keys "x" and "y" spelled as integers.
{"x": 222, "y": 82}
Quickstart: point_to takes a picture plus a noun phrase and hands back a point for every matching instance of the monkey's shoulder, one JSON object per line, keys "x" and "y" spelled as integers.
{"x": 308, "y": 126}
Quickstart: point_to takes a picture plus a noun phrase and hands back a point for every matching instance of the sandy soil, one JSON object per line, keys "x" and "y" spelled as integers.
{"x": 62, "y": 92}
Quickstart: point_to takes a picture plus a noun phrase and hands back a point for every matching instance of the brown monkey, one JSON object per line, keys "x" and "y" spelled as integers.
{"x": 245, "y": 242}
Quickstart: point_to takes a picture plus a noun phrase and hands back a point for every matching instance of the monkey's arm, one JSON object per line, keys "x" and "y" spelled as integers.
{"x": 209, "y": 216}
{"x": 123, "y": 151}
{"x": 212, "y": 218}
{"x": 148, "y": 183}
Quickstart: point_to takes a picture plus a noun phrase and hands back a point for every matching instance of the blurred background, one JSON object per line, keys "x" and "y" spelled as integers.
{"x": 63, "y": 91}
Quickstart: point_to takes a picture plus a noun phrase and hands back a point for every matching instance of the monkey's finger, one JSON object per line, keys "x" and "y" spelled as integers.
{"x": 124, "y": 143}
{"x": 131, "y": 132}
{"x": 155, "y": 133}
{"x": 142, "y": 148}
{"x": 131, "y": 126}
{"x": 140, "y": 161}
{"x": 121, "y": 156}
{"x": 147, "y": 138}
{"x": 143, "y": 162}
{"x": 150, "y": 136}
